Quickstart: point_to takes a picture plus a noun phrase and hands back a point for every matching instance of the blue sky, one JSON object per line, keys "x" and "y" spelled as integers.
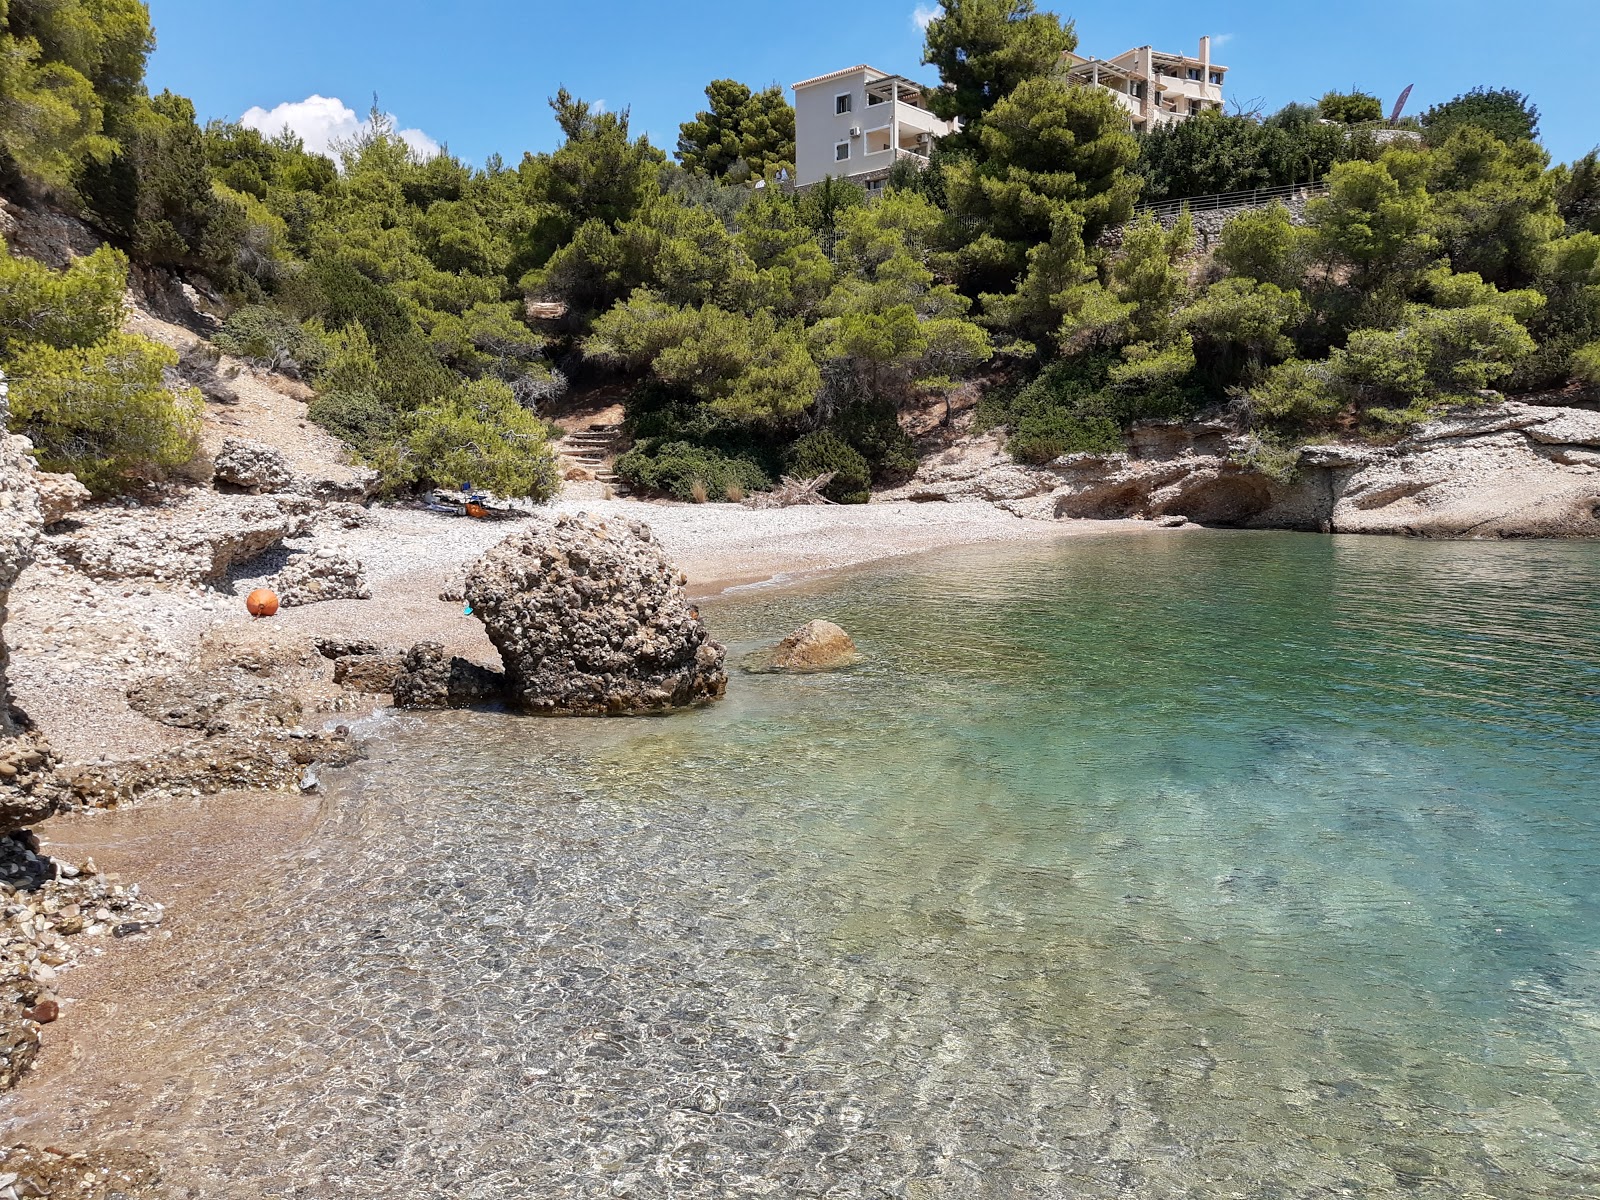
{"x": 475, "y": 73}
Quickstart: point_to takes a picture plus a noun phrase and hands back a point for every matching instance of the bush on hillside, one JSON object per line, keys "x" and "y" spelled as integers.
{"x": 824, "y": 451}
{"x": 271, "y": 338}
{"x": 481, "y": 436}
{"x": 678, "y": 469}
{"x": 104, "y": 412}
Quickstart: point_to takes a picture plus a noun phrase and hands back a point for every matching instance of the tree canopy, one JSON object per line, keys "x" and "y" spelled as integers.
{"x": 740, "y": 128}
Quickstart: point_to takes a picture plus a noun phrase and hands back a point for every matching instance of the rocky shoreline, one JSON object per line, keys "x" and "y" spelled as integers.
{"x": 1503, "y": 468}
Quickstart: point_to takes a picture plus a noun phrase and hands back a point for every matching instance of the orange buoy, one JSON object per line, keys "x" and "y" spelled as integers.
{"x": 474, "y": 509}
{"x": 263, "y": 602}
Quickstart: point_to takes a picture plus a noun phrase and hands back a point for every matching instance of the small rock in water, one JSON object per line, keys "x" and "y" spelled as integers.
{"x": 815, "y": 646}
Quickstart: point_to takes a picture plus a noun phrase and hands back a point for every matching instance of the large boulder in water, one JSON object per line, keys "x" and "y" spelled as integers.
{"x": 815, "y": 646}
{"x": 590, "y": 618}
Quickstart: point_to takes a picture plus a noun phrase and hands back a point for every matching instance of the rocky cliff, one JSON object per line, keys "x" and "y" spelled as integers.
{"x": 1503, "y": 469}
{"x": 27, "y": 788}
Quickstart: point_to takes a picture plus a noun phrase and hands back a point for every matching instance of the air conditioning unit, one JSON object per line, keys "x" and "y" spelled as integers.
{"x": 855, "y": 131}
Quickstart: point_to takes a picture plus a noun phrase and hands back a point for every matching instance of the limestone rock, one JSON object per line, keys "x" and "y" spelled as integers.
{"x": 374, "y": 674}
{"x": 213, "y": 700}
{"x": 28, "y": 790}
{"x": 253, "y": 466}
{"x": 321, "y": 575}
{"x": 590, "y": 618}
{"x": 427, "y": 679}
{"x": 815, "y": 646}
{"x": 60, "y": 495}
{"x": 197, "y": 539}
{"x": 21, "y": 520}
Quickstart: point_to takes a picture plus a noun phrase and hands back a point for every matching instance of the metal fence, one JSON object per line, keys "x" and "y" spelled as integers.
{"x": 1253, "y": 198}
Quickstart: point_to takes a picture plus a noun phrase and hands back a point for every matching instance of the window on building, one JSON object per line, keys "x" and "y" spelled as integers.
{"x": 841, "y": 152}
{"x": 1216, "y": 78}
{"x": 1194, "y": 74}
{"x": 843, "y": 104}
{"x": 1196, "y": 108}
{"x": 871, "y": 100}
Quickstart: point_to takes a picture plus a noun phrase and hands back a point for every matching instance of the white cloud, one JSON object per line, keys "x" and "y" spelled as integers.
{"x": 923, "y": 13}
{"x": 322, "y": 120}
{"x": 1219, "y": 40}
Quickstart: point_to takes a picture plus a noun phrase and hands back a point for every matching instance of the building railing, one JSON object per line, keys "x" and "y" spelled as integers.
{"x": 1253, "y": 198}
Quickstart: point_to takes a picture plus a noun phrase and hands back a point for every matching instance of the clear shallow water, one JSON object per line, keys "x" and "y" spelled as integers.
{"x": 1212, "y": 866}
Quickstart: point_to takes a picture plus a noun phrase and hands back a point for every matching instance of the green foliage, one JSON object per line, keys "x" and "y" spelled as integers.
{"x": 1263, "y": 244}
{"x": 741, "y": 127}
{"x": 1240, "y": 325}
{"x": 750, "y": 368}
{"x": 67, "y": 68}
{"x": 74, "y": 308}
{"x": 482, "y": 436}
{"x": 1578, "y": 195}
{"x": 1350, "y": 108}
{"x": 1494, "y": 205}
{"x": 272, "y": 338}
{"x": 1508, "y": 115}
{"x": 823, "y": 451}
{"x": 677, "y": 468}
{"x": 103, "y": 411}
{"x": 1067, "y": 409}
{"x": 985, "y": 50}
{"x": 1298, "y": 394}
{"x": 1586, "y": 363}
{"x": 1215, "y": 153}
{"x": 1373, "y": 221}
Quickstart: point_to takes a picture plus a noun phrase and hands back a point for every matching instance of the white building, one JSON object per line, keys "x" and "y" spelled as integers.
{"x": 1155, "y": 87}
{"x": 856, "y": 123}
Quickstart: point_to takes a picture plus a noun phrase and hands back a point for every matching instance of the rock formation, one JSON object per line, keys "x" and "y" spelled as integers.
{"x": 590, "y": 618}
{"x": 323, "y": 574}
{"x": 1501, "y": 469}
{"x": 252, "y": 466}
{"x": 60, "y": 495}
{"x": 815, "y": 646}
{"x": 196, "y": 540}
{"x": 27, "y": 788}
{"x": 427, "y": 679}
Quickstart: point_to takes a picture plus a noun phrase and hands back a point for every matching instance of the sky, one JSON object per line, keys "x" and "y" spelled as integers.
{"x": 475, "y": 75}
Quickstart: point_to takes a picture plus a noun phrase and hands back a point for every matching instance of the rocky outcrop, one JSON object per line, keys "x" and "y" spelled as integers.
{"x": 253, "y": 466}
{"x": 815, "y": 646}
{"x": 197, "y": 539}
{"x": 1505, "y": 470}
{"x": 427, "y": 679}
{"x": 60, "y": 495}
{"x": 1501, "y": 469}
{"x": 21, "y": 521}
{"x": 28, "y": 789}
{"x": 214, "y": 701}
{"x": 323, "y": 574}
{"x": 590, "y": 618}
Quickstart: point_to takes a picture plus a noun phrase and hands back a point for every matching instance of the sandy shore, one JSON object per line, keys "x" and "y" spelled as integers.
{"x": 78, "y": 643}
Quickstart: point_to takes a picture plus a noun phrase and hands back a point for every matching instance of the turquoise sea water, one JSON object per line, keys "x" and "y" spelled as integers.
{"x": 1235, "y": 865}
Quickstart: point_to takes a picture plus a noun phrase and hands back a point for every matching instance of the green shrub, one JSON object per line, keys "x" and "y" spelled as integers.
{"x": 272, "y": 338}
{"x": 1046, "y": 435}
{"x": 358, "y": 417}
{"x": 872, "y": 427}
{"x": 104, "y": 412}
{"x": 675, "y": 468}
{"x": 482, "y": 436}
{"x": 824, "y": 451}
{"x": 79, "y": 306}
{"x": 1586, "y": 363}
